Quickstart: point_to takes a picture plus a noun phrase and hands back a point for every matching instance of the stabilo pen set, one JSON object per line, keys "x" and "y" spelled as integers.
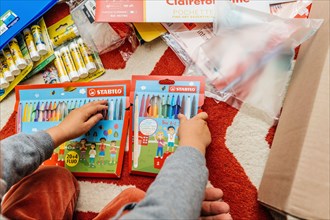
{"x": 99, "y": 152}
{"x": 157, "y": 102}
{"x": 152, "y": 102}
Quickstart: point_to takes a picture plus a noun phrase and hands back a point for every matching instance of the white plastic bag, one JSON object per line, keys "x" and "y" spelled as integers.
{"x": 250, "y": 60}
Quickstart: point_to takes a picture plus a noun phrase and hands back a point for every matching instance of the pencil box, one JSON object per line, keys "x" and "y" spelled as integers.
{"x": 157, "y": 101}
{"x": 99, "y": 152}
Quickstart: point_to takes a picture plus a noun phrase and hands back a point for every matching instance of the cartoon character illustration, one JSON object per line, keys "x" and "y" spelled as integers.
{"x": 113, "y": 152}
{"x": 102, "y": 147}
{"x": 83, "y": 149}
{"x": 170, "y": 138}
{"x": 61, "y": 152}
{"x": 92, "y": 155}
{"x": 160, "y": 144}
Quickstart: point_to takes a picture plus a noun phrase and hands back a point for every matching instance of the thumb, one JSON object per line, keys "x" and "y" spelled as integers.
{"x": 202, "y": 115}
{"x": 182, "y": 118}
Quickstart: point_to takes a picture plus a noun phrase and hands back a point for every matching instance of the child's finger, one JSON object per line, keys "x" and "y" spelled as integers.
{"x": 93, "y": 109}
{"x": 93, "y": 120}
{"x": 182, "y": 118}
{"x": 202, "y": 115}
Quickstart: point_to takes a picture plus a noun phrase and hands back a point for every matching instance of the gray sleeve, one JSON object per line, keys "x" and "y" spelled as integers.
{"x": 21, "y": 154}
{"x": 178, "y": 190}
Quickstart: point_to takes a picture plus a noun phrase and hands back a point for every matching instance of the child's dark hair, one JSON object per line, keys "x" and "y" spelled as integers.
{"x": 113, "y": 141}
{"x": 168, "y": 128}
{"x": 93, "y": 144}
{"x": 102, "y": 138}
{"x": 83, "y": 139}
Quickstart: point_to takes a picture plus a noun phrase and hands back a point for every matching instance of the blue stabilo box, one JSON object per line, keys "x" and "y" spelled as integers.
{"x": 15, "y": 15}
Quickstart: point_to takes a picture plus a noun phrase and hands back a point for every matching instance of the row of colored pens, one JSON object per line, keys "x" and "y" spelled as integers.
{"x": 57, "y": 110}
{"x": 167, "y": 106}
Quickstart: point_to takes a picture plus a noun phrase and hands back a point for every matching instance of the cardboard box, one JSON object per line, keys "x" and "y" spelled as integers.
{"x": 296, "y": 178}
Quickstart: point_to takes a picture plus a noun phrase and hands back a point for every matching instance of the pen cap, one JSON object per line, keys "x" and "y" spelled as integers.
{"x": 74, "y": 76}
{"x": 83, "y": 73}
{"x": 8, "y": 75}
{"x": 3, "y": 83}
{"x": 14, "y": 70}
{"x": 34, "y": 56}
{"x": 64, "y": 78}
{"x": 91, "y": 67}
{"x": 42, "y": 49}
{"x": 21, "y": 63}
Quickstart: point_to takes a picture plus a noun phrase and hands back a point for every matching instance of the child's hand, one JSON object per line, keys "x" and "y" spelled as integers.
{"x": 194, "y": 132}
{"x": 78, "y": 122}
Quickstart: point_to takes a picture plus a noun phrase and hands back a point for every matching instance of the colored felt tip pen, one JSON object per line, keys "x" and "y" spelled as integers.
{"x": 177, "y": 107}
{"x": 147, "y": 106}
{"x": 171, "y": 108}
{"x": 121, "y": 110}
{"x": 142, "y": 110}
{"x": 155, "y": 106}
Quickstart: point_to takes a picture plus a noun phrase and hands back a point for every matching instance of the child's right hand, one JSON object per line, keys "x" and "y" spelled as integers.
{"x": 194, "y": 132}
{"x": 78, "y": 122}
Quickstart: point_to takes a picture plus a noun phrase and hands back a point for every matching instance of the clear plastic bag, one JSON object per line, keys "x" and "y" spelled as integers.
{"x": 100, "y": 37}
{"x": 250, "y": 60}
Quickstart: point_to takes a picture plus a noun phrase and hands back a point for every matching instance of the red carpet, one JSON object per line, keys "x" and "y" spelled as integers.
{"x": 225, "y": 171}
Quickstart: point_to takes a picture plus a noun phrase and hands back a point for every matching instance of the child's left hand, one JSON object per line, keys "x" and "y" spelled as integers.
{"x": 78, "y": 122}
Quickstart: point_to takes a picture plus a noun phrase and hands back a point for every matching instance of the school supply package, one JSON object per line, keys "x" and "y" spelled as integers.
{"x": 157, "y": 101}
{"x": 100, "y": 37}
{"x": 14, "y": 17}
{"x": 250, "y": 58}
{"x": 74, "y": 60}
{"x": 25, "y": 55}
{"x": 99, "y": 152}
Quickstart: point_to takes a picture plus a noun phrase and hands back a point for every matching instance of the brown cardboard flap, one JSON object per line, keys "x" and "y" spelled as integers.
{"x": 296, "y": 178}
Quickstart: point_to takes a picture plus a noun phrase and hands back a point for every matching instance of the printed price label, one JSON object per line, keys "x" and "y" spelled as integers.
{"x": 71, "y": 159}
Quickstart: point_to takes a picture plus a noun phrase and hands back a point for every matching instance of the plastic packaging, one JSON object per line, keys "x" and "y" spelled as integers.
{"x": 250, "y": 60}
{"x": 100, "y": 37}
{"x": 69, "y": 34}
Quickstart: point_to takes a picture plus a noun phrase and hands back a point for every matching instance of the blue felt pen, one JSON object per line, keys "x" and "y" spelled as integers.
{"x": 36, "y": 113}
{"x": 177, "y": 107}
{"x": 171, "y": 108}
